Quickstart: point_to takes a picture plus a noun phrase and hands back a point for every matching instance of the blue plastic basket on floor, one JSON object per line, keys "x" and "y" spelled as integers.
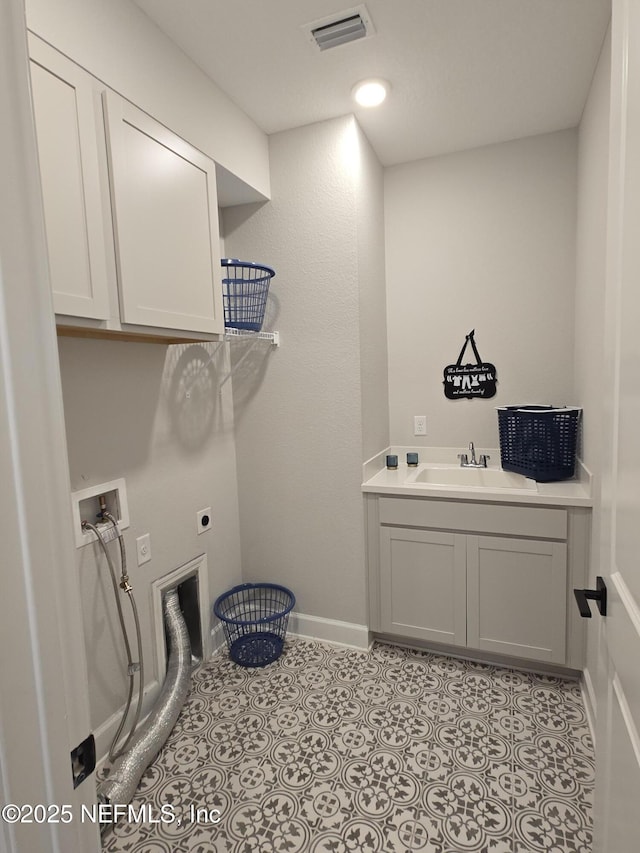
{"x": 254, "y": 618}
{"x": 245, "y": 287}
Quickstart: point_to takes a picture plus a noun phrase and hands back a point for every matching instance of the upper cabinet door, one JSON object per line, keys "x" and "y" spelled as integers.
{"x": 64, "y": 106}
{"x": 165, "y": 212}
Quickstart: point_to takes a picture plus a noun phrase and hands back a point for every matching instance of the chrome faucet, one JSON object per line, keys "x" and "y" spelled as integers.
{"x": 474, "y": 463}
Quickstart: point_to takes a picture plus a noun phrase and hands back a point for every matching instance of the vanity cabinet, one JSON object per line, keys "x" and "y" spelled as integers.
{"x": 492, "y": 578}
{"x": 130, "y": 211}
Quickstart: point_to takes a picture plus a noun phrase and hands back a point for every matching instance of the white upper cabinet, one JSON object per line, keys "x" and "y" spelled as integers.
{"x": 165, "y": 222}
{"x": 131, "y": 219}
{"x": 63, "y": 102}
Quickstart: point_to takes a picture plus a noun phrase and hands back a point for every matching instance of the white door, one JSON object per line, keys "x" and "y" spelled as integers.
{"x": 618, "y": 725}
{"x": 43, "y": 701}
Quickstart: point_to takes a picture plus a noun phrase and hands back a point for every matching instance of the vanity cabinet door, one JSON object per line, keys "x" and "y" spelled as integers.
{"x": 165, "y": 211}
{"x": 423, "y": 584}
{"x": 67, "y": 127}
{"x": 516, "y": 597}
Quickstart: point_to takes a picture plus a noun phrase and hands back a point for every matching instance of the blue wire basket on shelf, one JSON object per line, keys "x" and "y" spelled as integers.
{"x": 245, "y": 287}
{"x": 254, "y": 618}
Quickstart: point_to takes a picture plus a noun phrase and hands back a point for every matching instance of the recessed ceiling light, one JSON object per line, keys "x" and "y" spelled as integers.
{"x": 370, "y": 93}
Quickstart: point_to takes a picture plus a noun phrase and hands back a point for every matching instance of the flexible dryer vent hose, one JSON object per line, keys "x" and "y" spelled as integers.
{"x": 123, "y": 779}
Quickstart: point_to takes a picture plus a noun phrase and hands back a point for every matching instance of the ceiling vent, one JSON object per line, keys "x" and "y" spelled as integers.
{"x": 347, "y": 27}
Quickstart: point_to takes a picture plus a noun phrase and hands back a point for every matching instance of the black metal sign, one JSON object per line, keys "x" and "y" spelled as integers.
{"x": 470, "y": 380}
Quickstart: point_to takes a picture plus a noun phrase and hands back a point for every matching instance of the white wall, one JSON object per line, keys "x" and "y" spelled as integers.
{"x": 120, "y": 45}
{"x": 593, "y": 164}
{"x": 126, "y": 416}
{"x": 373, "y": 316}
{"x": 483, "y": 240}
{"x": 299, "y": 409}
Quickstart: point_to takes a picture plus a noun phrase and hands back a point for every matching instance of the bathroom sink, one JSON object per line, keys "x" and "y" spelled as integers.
{"x": 484, "y": 478}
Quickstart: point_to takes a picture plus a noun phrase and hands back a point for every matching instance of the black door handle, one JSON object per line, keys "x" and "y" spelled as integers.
{"x": 599, "y": 595}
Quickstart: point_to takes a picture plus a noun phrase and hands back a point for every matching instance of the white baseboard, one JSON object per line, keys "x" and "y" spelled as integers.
{"x": 588, "y": 691}
{"x": 217, "y": 639}
{"x": 329, "y": 631}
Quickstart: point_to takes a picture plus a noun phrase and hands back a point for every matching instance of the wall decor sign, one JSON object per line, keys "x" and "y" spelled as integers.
{"x": 470, "y": 380}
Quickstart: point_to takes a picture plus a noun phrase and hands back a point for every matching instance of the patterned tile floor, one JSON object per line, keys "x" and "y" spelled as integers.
{"x": 333, "y": 750}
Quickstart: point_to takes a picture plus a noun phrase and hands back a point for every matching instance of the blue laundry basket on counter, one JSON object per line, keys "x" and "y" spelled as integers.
{"x": 254, "y": 618}
{"x": 245, "y": 287}
{"x": 539, "y": 441}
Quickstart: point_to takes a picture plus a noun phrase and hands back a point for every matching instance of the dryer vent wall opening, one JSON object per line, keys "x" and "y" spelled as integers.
{"x": 189, "y": 598}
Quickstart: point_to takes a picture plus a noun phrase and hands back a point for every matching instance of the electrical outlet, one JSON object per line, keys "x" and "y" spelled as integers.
{"x": 143, "y": 545}
{"x": 203, "y": 519}
{"x": 420, "y": 425}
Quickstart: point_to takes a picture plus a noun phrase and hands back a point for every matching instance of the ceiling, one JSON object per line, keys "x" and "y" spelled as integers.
{"x": 463, "y": 73}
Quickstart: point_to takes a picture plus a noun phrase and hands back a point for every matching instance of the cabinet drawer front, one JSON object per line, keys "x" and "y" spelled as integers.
{"x": 542, "y": 522}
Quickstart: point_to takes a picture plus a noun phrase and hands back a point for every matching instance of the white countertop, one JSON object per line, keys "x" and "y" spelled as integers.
{"x": 378, "y": 479}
